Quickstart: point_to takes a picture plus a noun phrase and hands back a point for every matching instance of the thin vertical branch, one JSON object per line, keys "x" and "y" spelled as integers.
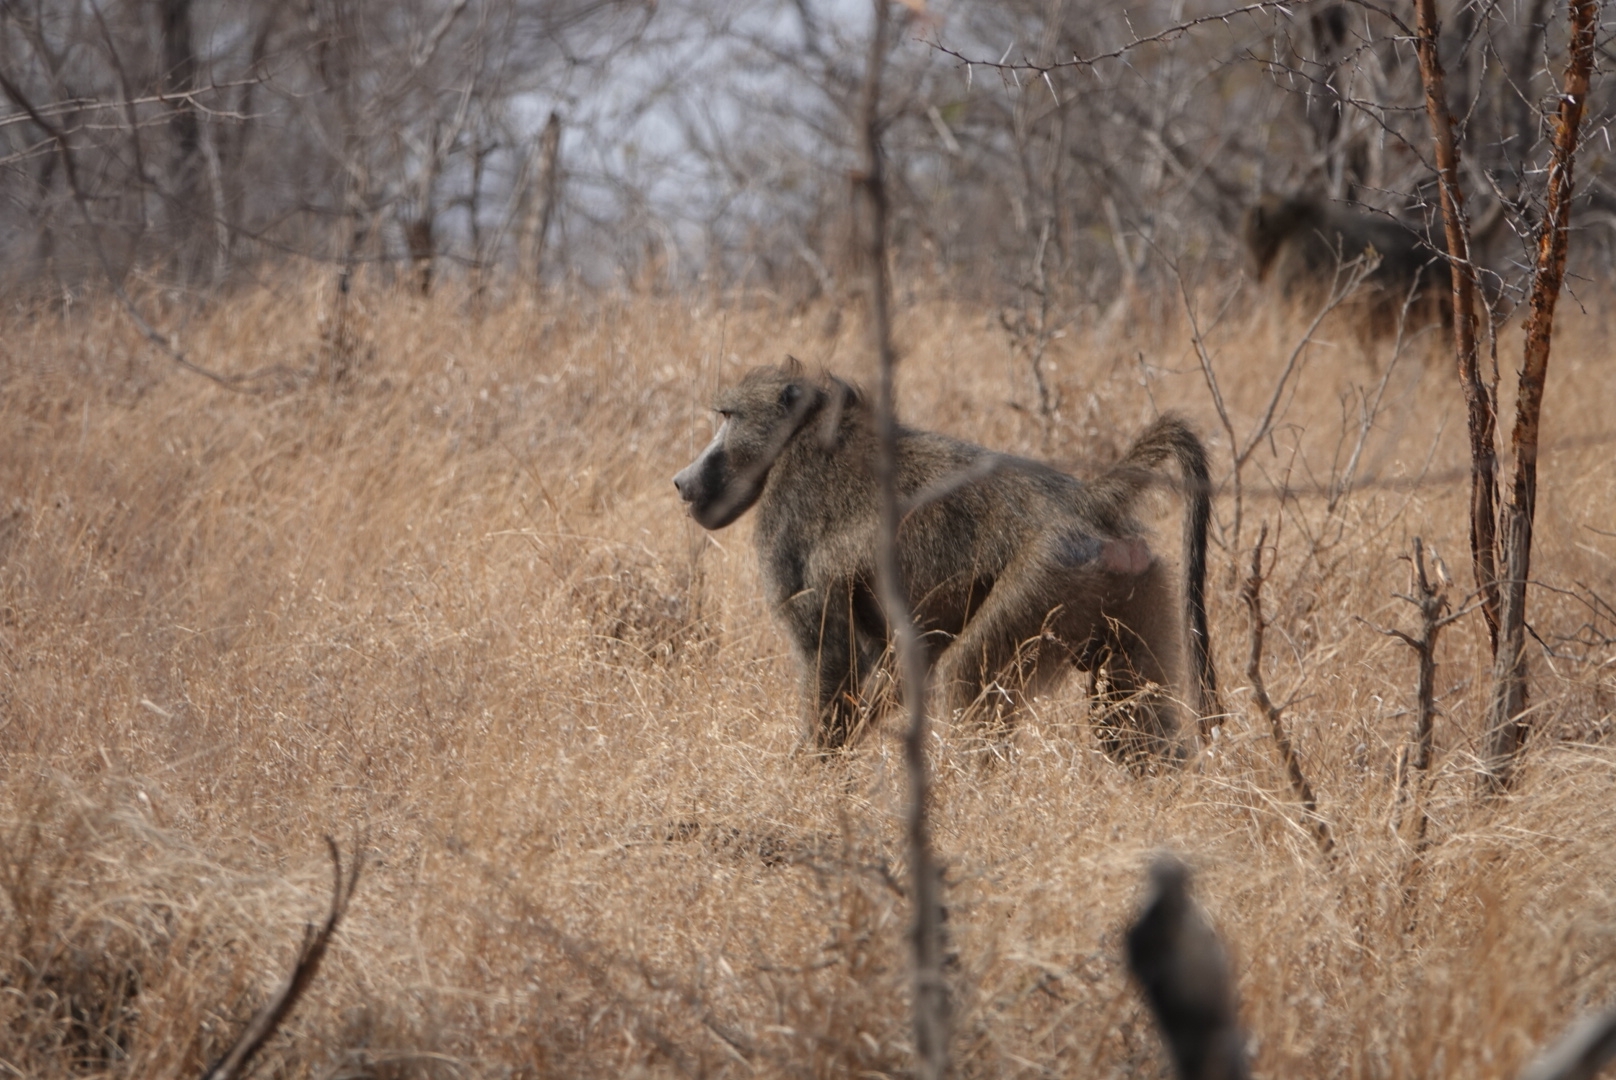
{"x": 930, "y": 994}
{"x": 1251, "y": 593}
{"x": 115, "y": 277}
{"x": 1431, "y": 600}
{"x": 1506, "y": 730}
{"x": 1481, "y": 408}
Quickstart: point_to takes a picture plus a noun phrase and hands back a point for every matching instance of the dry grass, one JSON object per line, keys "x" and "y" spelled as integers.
{"x": 450, "y": 609}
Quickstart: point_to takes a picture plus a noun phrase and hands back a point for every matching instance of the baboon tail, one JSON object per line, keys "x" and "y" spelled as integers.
{"x": 1171, "y": 438}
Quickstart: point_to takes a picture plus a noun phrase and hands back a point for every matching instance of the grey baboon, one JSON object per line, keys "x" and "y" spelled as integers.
{"x": 1299, "y": 243}
{"x": 1016, "y": 572}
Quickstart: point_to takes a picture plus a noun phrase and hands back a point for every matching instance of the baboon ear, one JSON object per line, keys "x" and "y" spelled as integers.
{"x": 793, "y": 366}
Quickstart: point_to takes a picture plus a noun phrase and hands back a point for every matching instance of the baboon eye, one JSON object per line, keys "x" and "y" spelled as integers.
{"x": 789, "y": 395}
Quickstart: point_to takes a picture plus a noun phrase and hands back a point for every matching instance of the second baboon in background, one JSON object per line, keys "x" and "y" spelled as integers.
{"x": 1300, "y": 243}
{"x": 1016, "y": 572}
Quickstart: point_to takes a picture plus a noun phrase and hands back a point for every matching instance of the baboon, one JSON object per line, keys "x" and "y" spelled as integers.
{"x": 1299, "y": 243}
{"x": 1016, "y": 572}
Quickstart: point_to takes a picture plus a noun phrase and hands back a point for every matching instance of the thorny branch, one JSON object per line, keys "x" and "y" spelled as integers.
{"x": 1177, "y": 30}
{"x": 1342, "y": 483}
{"x": 1349, "y": 276}
{"x": 1431, "y": 600}
{"x": 114, "y": 280}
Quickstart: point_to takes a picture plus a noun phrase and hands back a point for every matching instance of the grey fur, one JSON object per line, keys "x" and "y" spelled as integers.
{"x": 1016, "y": 572}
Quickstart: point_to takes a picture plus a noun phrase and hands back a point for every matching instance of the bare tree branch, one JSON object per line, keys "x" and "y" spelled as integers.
{"x": 1283, "y": 7}
{"x": 1251, "y": 593}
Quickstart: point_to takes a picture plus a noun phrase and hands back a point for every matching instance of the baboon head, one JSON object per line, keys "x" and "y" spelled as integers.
{"x": 1271, "y": 222}
{"x": 759, "y": 416}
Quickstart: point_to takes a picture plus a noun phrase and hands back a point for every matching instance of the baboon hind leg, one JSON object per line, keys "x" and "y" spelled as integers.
{"x": 1136, "y": 716}
{"x": 1001, "y": 656}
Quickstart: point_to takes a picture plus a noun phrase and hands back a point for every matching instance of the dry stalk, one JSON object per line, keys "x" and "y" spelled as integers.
{"x": 1251, "y": 593}
{"x": 547, "y": 183}
{"x": 115, "y": 280}
{"x": 1506, "y": 729}
{"x": 930, "y": 994}
{"x": 1032, "y": 334}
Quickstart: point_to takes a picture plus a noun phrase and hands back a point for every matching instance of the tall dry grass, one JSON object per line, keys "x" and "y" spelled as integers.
{"x": 450, "y": 610}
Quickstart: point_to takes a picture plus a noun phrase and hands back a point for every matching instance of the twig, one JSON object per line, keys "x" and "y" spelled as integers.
{"x": 1432, "y": 601}
{"x": 82, "y": 201}
{"x": 1342, "y": 485}
{"x": 1349, "y": 276}
{"x": 265, "y": 1022}
{"x": 1251, "y": 593}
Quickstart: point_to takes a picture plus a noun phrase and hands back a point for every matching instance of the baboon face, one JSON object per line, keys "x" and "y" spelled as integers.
{"x": 758, "y": 418}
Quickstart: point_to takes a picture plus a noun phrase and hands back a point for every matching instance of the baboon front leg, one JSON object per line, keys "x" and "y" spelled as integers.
{"x": 837, "y": 660}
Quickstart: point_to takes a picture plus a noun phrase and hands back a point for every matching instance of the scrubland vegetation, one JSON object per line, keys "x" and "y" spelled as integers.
{"x": 447, "y": 609}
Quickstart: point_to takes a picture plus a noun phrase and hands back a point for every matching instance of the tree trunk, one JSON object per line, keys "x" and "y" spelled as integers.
{"x": 1481, "y": 410}
{"x": 1507, "y": 730}
{"x": 185, "y": 173}
{"x": 547, "y": 183}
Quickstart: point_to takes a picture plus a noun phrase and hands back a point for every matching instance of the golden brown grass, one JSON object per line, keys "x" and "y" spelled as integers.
{"x": 451, "y": 610}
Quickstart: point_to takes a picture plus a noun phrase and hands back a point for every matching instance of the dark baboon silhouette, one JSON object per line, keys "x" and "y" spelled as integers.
{"x": 1300, "y": 243}
{"x": 1016, "y": 573}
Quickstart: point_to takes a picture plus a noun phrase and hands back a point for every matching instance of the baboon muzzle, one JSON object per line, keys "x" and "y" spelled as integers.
{"x": 711, "y": 491}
